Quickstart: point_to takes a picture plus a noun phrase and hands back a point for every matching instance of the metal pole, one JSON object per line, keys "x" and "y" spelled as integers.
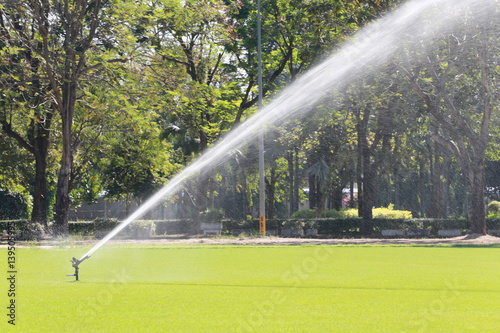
{"x": 262, "y": 188}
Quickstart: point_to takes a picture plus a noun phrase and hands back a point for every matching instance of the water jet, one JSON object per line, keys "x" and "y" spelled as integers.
{"x": 370, "y": 48}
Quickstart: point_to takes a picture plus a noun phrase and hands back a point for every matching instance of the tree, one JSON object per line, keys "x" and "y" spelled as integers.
{"x": 190, "y": 39}
{"x": 69, "y": 40}
{"x": 26, "y": 115}
{"x": 455, "y": 76}
{"x": 373, "y": 101}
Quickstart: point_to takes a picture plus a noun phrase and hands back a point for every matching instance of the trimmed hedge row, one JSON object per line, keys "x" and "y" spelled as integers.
{"x": 25, "y": 230}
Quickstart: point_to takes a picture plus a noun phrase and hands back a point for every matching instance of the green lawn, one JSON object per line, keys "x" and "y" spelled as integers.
{"x": 257, "y": 289}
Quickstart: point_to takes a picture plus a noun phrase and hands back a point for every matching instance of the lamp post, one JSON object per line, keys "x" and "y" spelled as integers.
{"x": 262, "y": 188}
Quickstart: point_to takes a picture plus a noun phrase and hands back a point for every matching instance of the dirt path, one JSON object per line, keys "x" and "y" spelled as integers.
{"x": 468, "y": 239}
{"x": 465, "y": 240}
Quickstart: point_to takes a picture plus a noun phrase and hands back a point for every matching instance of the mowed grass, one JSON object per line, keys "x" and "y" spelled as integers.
{"x": 137, "y": 288}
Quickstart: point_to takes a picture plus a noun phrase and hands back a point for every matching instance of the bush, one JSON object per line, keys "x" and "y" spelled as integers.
{"x": 494, "y": 206}
{"x": 102, "y": 226}
{"x": 292, "y": 224}
{"x": 493, "y": 223}
{"x": 338, "y": 226}
{"x": 329, "y": 213}
{"x": 390, "y": 213}
{"x": 494, "y": 209}
{"x": 141, "y": 229}
{"x": 392, "y": 223}
{"x": 304, "y": 214}
{"x": 229, "y": 226}
{"x": 12, "y": 206}
{"x": 31, "y": 231}
{"x": 171, "y": 227}
{"x": 382, "y": 213}
{"x": 23, "y": 230}
{"x": 212, "y": 215}
{"x": 81, "y": 227}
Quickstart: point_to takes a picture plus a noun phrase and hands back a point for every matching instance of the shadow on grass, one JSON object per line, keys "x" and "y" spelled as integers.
{"x": 304, "y": 287}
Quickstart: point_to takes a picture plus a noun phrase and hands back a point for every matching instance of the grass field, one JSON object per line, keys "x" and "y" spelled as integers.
{"x": 140, "y": 288}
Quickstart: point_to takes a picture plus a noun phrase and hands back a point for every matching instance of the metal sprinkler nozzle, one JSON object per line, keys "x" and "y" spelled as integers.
{"x": 75, "y": 262}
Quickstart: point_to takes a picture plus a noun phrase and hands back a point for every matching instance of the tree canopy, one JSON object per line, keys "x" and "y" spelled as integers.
{"x": 112, "y": 98}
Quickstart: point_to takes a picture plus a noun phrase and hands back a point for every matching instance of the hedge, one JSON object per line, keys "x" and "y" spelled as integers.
{"x": 25, "y": 230}
{"x": 12, "y": 205}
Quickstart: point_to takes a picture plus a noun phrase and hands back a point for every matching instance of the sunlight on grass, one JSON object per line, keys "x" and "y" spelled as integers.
{"x": 268, "y": 289}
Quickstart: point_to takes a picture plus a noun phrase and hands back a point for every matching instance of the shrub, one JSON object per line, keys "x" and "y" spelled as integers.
{"x": 292, "y": 224}
{"x": 392, "y": 223}
{"x": 494, "y": 209}
{"x": 212, "y": 215}
{"x": 338, "y": 226}
{"x": 390, "y": 213}
{"x": 81, "y": 227}
{"x": 304, "y": 214}
{"x": 493, "y": 223}
{"x": 229, "y": 226}
{"x": 102, "y": 226}
{"x": 12, "y": 206}
{"x": 32, "y": 231}
{"x": 141, "y": 229}
{"x": 329, "y": 213}
{"x": 344, "y": 213}
{"x": 171, "y": 227}
{"x": 494, "y": 206}
{"x": 23, "y": 229}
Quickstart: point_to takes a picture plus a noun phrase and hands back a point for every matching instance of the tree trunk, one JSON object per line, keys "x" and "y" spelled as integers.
{"x": 243, "y": 202}
{"x": 436, "y": 193}
{"x": 38, "y": 147}
{"x": 421, "y": 185}
{"x": 448, "y": 174}
{"x": 270, "y": 192}
{"x": 366, "y": 212}
{"x": 296, "y": 181}
{"x": 39, "y": 212}
{"x": 63, "y": 181}
{"x": 313, "y": 204}
{"x": 478, "y": 214}
{"x": 289, "y": 158}
{"x": 337, "y": 198}
{"x": 350, "y": 204}
{"x": 365, "y": 191}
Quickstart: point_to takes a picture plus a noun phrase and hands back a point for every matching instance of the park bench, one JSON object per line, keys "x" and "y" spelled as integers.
{"x": 211, "y": 228}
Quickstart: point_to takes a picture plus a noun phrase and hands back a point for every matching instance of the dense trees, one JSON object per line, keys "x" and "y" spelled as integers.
{"x": 118, "y": 97}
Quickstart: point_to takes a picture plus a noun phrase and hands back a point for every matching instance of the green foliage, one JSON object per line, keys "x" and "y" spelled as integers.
{"x": 171, "y": 227}
{"x": 212, "y": 215}
{"x": 292, "y": 224}
{"x": 102, "y": 226}
{"x": 231, "y": 225}
{"x": 338, "y": 226}
{"x": 390, "y": 213}
{"x": 494, "y": 207}
{"x": 493, "y": 223}
{"x": 83, "y": 228}
{"x": 381, "y": 213}
{"x": 141, "y": 229}
{"x": 23, "y": 230}
{"x": 30, "y": 231}
{"x": 12, "y": 205}
{"x": 311, "y": 214}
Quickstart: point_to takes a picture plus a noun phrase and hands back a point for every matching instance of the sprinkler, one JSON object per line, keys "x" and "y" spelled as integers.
{"x": 75, "y": 263}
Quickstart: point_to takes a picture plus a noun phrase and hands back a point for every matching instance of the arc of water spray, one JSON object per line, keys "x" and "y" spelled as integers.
{"x": 372, "y": 46}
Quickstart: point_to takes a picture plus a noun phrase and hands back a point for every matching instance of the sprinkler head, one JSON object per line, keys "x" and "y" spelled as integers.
{"x": 75, "y": 262}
